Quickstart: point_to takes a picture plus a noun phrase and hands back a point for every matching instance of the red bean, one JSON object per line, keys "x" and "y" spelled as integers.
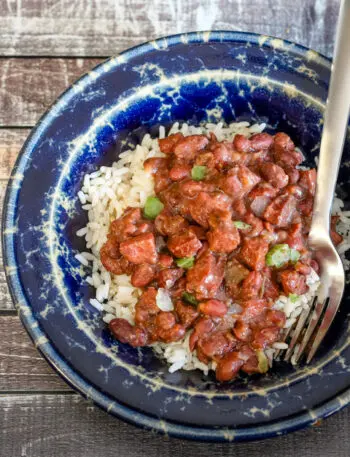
{"x": 213, "y": 308}
{"x": 228, "y": 367}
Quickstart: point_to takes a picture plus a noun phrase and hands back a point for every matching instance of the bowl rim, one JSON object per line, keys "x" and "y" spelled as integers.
{"x": 40, "y": 339}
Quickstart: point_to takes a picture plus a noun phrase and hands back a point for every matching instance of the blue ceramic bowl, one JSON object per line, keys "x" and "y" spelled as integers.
{"x": 196, "y": 77}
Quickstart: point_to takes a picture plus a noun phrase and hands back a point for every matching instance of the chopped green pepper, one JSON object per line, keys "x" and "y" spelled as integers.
{"x": 190, "y": 298}
{"x": 185, "y": 262}
{"x": 198, "y": 172}
{"x": 241, "y": 225}
{"x": 293, "y": 297}
{"x": 278, "y": 255}
{"x": 152, "y": 207}
{"x": 294, "y": 255}
{"x": 263, "y": 363}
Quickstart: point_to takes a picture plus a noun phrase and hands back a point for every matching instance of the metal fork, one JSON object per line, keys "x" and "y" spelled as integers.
{"x": 314, "y": 322}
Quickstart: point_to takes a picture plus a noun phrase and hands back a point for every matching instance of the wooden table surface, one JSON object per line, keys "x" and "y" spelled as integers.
{"x": 44, "y": 46}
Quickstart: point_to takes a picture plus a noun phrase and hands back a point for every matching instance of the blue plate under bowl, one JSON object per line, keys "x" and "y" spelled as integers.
{"x": 195, "y": 77}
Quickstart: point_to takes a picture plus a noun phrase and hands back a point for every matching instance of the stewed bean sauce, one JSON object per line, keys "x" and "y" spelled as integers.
{"x": 225, "y": 235}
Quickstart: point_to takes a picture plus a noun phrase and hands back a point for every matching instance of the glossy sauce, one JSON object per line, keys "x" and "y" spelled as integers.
{"x": 222, "y": 226}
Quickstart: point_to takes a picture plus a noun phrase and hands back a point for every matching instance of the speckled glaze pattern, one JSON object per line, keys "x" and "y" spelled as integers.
{"x": 196, "y": 77}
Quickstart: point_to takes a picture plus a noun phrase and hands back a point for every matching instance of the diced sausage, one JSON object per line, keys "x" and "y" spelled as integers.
{"x": 126, "y": 225}
{"x": 140, "y": 249}
{"x": 251, "y": 286}
{"x": 167, "y": 278}
{"x": 302, "y": 268}
{"x": 266, "y": 337}
{"x": 207, "y": 203}
{"x": 142, "y": 275}
{"x": 206, "y": 159}
{"x": 223, "y": 236}
{"x": 165, "y": 261}
{"x": 238, "y": 181}
{"x": 256, "y": 225}
{"x": 308, "y": 180}
{"x": 235, "y": 273}
{"x": 260, "y": 197}
{"x": 305, "y": 206}
{"x": 293, "y": 282}
{"x": 295, "y": 238}
{"x": 200, "y": 232}
{"x": 168, "y": 224}
{"x": 215, "y": 345}
{"x": 116, "y": 266}
{"x": 146, "y": 309}
{"x": 187, "y": 313}
{"x": 205, "y": 277}
{"x": 274, "y": 317}
{"x": 270, "y": 289}
{"x": 274, "y": 174}
{"x": 111, "y": 258}
{"x": 184, "y": 244}
{"x": 253, "y": 252}
{"x": 252, "y": 308}
{"x": 215, "y": 308}
{"x": 294, "y": 190}
{"x": 222, "y": 155}
{"x": 280, "y": 211}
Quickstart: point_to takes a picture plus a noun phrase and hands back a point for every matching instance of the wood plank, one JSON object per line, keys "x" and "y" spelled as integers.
{"x": 11, "y": 141}
{"x": 94, "y": 28}
{"x": 57, "y": 425}
{"x": 29, "y": 86}
{"x": 22, "y": 368}
{"x": 5, "y": 299}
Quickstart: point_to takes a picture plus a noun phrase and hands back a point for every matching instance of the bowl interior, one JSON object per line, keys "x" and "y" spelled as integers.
{"x": 256, "y": 80}
{"x": 195, "y": 100}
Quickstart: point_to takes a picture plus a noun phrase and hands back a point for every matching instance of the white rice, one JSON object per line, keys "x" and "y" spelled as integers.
{"x": 107, "y": 192}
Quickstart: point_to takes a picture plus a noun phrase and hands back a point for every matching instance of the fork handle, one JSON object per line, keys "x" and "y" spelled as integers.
{"x": 335, "y": 124}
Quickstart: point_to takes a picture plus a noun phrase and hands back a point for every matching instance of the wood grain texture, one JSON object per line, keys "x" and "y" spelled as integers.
{"x": 61, "y": 425}
{"x": 29, "y": 86}
{"x": 102, "y": 28}
{"x": 22, "y": 368}
{"x": 11, "y": 141}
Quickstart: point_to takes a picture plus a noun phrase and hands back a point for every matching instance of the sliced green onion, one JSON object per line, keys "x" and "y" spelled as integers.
{"x": 185, "y": 262}
{"x": 152, "y": 207}
{"x": 198, "y": 172}
{"x": 263, "y": 363}
{"x": 293, "y": 297}
{"x": 294, "y": 255}
{"x": 189, "y": 298}
{"x": 278, "y": 255}
{"x": 241, "y": 225}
